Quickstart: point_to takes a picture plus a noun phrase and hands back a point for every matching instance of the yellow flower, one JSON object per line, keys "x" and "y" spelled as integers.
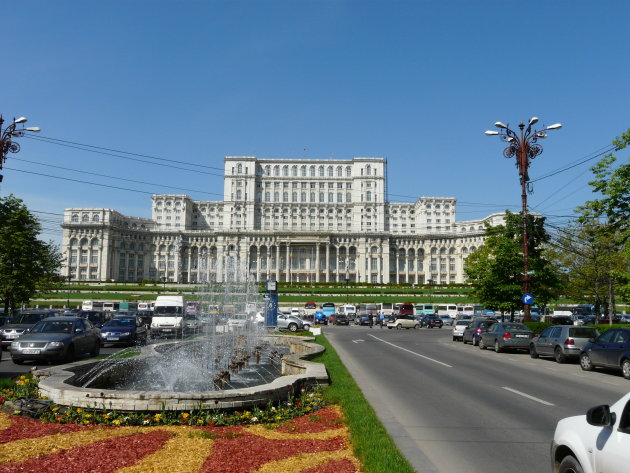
{"x": 105, "y": 416}
{"x": 55, "y": 409}
{"x": 185, "y": 415}
{"x": 22, "y": 377}
{"x": 79, "y": 410}
{"x": 26, "y": 380}
{"x": 158, "y": 417}
{"x": 116, "y": 422}
{"x": 200, "y": 421}
{"x": 87, "y": 416}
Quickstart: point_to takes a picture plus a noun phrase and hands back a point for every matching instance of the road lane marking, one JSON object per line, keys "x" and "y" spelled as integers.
{"x": 520, "y": 393}
{"x": 412, "y": 352}
{"x": 357, "y": 341}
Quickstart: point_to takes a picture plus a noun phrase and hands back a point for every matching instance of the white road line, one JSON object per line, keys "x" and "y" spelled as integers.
{"x": 528, "y": 396}
{"x": 357, "y": 341}
{"x": 412, "y": 352}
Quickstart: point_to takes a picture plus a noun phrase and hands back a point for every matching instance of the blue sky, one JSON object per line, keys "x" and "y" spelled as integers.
{"x": 416, "y": 82}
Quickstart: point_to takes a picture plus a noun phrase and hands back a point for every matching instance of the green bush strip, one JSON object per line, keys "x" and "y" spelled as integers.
{"x": 371, "y": 442}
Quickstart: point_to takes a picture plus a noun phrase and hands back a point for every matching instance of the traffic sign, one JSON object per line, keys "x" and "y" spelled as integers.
{"x": 527, "y": 298}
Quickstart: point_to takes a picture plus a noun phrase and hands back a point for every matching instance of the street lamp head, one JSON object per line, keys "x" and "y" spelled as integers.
{"x": 21, "y": 120}
{"x": 491, "y": 132}
{"x": 533, "y": 120}
{"x": 34, "y": 129}
{"x": 555, "y": 126}
{"x": 500, "y": 125}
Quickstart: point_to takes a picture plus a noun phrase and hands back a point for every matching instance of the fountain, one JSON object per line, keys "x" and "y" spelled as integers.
{"x": 225, "y": 367}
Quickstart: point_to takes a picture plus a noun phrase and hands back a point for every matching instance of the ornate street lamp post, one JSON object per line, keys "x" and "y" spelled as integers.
{"x": 524, "y": 147}
{"x": 8, "y": 134}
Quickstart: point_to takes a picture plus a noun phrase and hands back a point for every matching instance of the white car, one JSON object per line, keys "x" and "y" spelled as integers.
{"x": 458, "y": 329}
{"x": 403, "y": 321}
{"x": 596, "y": 442}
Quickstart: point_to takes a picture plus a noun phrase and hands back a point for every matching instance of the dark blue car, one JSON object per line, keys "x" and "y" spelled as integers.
{"x": 609, "y": 350}
{"x": 124, "y": 330}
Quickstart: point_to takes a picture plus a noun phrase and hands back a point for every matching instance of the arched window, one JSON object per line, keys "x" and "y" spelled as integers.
{"x": 285, "y": 171}
{"x": 239, "y": 169}
{"x": 348, "y": 171}
{"x": 258, "y": 196}
{"x": 368, "y": 196}
{"x": 268, "y": 170}
{"x": 321, "y": 171}
{"x": 368, "y": 170}
{"x": 312, "y": 171}
{"x": 294, "y": 197}
{"x": 465, "y": 250}
{"x": 267, "y": 196}
{"x": 84, "y": 241}
{"x": 348, "y": 197}
{"x": 330, "y": 171}
{"x": 339, "y": 171}
{"x": 74, "y": 241}
{"x": 85, "y": 218}
{"x": 95, "y": 217}
{"x": 434, "y": 251}
{"x": 285, "y": 197}
{"x": 238, "y": 194}
{"x": 95, "y": 242}
{"x": 276, "y": 196}
{"x": 75, "y": 218}
{"x": 276, "y": 170}
{"x": 294, "y": 171}
{"x": 312, "y": 196}
{"x": 303, "y": 171}
{"x": 451, "y": 251}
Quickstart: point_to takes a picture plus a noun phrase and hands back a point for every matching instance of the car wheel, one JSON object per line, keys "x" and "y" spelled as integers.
{"x": 532, "y": 351}
{"x": 625, "y": 368}
{"x": 559, "y": 356}
{"x": 415, "y": 326}
{"x": 292, "y": 327}
{"x": 389, "y": 328}
{"x": 17, "y": 361}
{"x": 464, "y": 341}
{"x": 96, "y": 350}
{"x": 398, "y": 327}
{"x": 482, "y": 345}
{"x": 307, "y": 327}
{"x": 454, "y": 338}
{"x": 474, "y": 342}
{"x": 585, "y": 362}
{"x": 497, "y": 347}
{"x": 569, "y": 464}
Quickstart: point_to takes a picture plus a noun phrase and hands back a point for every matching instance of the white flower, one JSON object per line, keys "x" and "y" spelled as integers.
{"x": 254, "y": 419}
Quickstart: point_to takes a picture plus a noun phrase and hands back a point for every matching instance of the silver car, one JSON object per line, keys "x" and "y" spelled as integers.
{"x": 290, "y": 322}
{"x": 561, "y": 341}
{"x": 503, "y": 336}
{"x": 57, "y": 338}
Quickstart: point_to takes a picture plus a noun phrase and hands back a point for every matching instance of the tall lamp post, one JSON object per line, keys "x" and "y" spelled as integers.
{"x": 524, "y": 147}
{"x": 8, "y": 134}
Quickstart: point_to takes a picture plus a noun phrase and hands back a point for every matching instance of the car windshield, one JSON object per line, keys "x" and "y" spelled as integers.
{"x": 53, "y": 326}
{"x": 463, "y": 322}
{"x": 120, "y": 323}
{"x": 27, "y": 319}
{"x": 168, "y": 311}
{"x": 94, "y": 317}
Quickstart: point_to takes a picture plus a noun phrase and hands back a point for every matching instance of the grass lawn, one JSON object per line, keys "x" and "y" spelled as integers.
{"x": 372, "y": 444}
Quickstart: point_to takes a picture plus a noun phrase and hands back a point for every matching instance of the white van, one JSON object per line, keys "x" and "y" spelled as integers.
{"x": 168, "y": 316}
{"x": 349, "y": 309}
{"x": 448, "y": 309}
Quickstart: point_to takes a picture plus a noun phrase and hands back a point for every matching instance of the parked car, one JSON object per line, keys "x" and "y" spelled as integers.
{"x": 458, "y": 329}
{"x": 506, "y": 336}
{"x": 561, "y": 341}
{"x": 477, "y": 326}
{"x": 341, "y": 319}
{"x": 597, "y": 441}
{"x": 57, "y": 338}
{"x": 192, "y": 323}
{"x": 403, "y": 321}
{"x": 624, "y": 318}
{"x": 22, "y": 323}
{"x": 290, "y": 323}
{"x": 320, "y": 318}
{"x": 447, "y": 320}
{"x": 125, "y": 330}
{"x": 310, "y": 305}
{"x": 98, "y": 318}
{"x": 611, "y": 349}
{"x": 431, "y": 321}
{"x": 363, "y": 319}
{"x": 309, "y": 319}
{"x": 239, "y": 321}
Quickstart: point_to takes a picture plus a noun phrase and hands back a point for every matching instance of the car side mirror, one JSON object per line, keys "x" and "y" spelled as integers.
{"x": 78, "y": 330}
{"x": 600, "y": 416}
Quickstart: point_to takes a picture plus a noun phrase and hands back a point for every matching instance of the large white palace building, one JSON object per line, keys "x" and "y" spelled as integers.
{"x": 300, "y": 220}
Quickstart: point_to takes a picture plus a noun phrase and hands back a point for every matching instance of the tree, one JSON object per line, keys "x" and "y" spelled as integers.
{"x": 495, "y": 270}
{"x": 27, "y": 265}
{"x": 610, "y": 215}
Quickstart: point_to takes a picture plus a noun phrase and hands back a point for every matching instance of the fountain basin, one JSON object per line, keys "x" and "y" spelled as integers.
{"x": 56, "y": 383}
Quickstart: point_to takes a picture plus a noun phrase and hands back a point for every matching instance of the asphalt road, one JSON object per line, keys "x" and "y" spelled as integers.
{"x": 452, "y": 407}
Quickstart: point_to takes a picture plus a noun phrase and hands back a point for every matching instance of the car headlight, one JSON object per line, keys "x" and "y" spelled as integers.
{"x": 55, "y": 344}
{"x": 126, "y": 333}
{"x": 15, "y": 345}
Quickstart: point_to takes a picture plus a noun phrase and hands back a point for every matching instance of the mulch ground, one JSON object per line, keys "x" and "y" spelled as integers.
{"x": 316, "y": 443}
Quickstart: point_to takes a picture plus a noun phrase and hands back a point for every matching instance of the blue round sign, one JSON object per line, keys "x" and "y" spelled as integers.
{"x": 527, "y": 298}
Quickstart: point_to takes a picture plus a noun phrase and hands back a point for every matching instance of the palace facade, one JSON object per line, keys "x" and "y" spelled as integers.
{"x": 300, "y": 220}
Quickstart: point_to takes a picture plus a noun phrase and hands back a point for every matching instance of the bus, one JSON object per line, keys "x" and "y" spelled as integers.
{"x": 144, "y": 306}
{"x": 328, "y": 308}
{"x": 193, "y": 308}
{"x": 128, "y": 306}
{"x": 424, "y": 309}
{"x": 111, "y": 306}
{"x": 449, "y": 309}
{"x": 93, "y": 305}
{"x": 373, "y": 309}
{"x": 387, "y": 308}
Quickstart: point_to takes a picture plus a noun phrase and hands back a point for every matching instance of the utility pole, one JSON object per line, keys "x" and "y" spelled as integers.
{"x": 524, "y": 147}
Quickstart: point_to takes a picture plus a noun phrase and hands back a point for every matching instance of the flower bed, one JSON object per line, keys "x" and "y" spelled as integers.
{"x": 315, "y": 443}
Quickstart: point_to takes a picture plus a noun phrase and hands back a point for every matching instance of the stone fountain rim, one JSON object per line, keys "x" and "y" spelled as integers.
{"x": 300, "y": 372}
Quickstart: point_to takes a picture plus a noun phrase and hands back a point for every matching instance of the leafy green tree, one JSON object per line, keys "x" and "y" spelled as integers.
{"x": 610, "y": 215}
{"x": 27, "y": 264}
{"x": 495, "y": 270}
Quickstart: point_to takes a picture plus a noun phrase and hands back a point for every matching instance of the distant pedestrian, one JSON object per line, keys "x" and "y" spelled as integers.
{"x": 381, "y": 319}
